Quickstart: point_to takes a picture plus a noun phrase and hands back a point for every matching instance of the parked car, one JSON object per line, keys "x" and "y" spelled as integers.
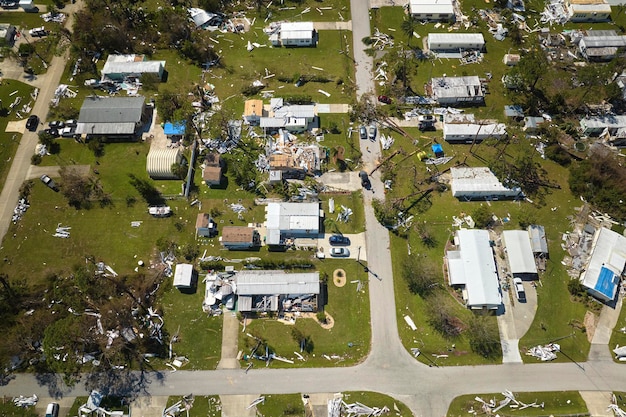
{"x": 365, "y": 181}
{"x": 52, "y": 410}
{"x": 56, "y": 124}
{"x": 426, "y": 122}
{"x": 32, "y": 122}
{"x": 339, "y": 252}
{"x": 371, "y": 131}
{"x": 384, "y": 99}
{"x": 339, "y": 240}
{"x": 49, "y": 182}
{"x": 52, "y": 132}
{"x": 70, "y": 123}
{"x": 67, "y": 132}
{"x": 362, "y": 132}
{"x": 519, "y": 290}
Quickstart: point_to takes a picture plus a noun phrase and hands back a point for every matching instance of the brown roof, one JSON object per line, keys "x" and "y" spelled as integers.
{"x": 237, "y": 234}
{"x": 281, "y": 161}
{"x": 212, "y": 159}
{"x": 253, "y": 108}
{"x": 202, "y": 220}
{"x": 212, "y": 173}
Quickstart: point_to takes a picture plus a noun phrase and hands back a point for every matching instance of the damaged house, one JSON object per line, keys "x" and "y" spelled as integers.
{"x": 288, "y": 221}
{"x": 294, "y": 118}
{"x": 472, "y": 268}
{"x": 450, "y": 43}
{"x": 432, "y": 10}
{"x": 119, "y": 68}
{"x": 293, "y": 160}
{"x": 204, "y": 20}
{"x": 277, "y": 291}
{"x": 605, "y": 266}
{"x": 253, "y": 111}
{"x": 588, "y": 10}
{"x": 456, "y": 91}
{"x": 292, "y": 34}
{"x": 479, "y": 184}
{"x": 611, "y": 128}
{"x": 240, "y": 238}
{"x": 601, "y": 45}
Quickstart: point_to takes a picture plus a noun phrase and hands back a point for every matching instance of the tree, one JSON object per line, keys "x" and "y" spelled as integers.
{"x": 179, "y": 170}
{"x": 147, "y": 190}
{"x": 441, "y": 316}
{"x": 408, "y": 27}
{"x": 81, "y": 191}
{"x": 304, "y": 341}
{"x": 482, "y": 216}
{"x": 96, "y": 145}
{"x": 419, "y": 275}
{"x": 484, "y": 337}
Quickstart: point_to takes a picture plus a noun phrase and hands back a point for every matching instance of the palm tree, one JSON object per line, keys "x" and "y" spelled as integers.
{"x": 408, "y": 27}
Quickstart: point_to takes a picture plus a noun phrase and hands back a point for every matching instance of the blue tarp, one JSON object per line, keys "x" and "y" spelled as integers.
{"x": 437, "y": 149}
{"x": 177, "y": 128}
{"x": 607, "y": 283}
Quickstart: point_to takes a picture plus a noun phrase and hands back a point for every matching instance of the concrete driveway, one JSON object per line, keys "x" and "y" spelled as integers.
{"x": 345, "y": 181}
{"x": 356, "y": 241}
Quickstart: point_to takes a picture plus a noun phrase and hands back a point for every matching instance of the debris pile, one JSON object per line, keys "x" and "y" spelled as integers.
{"x": 555, "y": 12}
{"x": 185, "y": 404}
{"x": 163, "y": 211}
{"x": 381, "y": 40}
{"x": 53, "y": 17}
{"x": 545, "y": 353}
{"x": 386, "y": 141}
{"x": 19, "y": 210}
{"x": 220, "y": 289}
{"x": 62, "y": 231}
{"x": 22, "y": 401}
{"x": 344, "y": 215}
{"x": 62, "y": 91}
{"x": 494, "y": 406}
{"x": 337, "y": 407}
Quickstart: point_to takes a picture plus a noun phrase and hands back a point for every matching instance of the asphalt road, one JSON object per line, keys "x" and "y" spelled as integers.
{"x": 389, "y": 368}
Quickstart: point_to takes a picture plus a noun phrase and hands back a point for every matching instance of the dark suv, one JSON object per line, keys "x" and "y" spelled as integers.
{"x": 32, "y": 122}
{"x": 338, "y": 240}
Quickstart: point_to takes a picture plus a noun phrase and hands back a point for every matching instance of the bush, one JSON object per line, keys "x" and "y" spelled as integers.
{"x": 35, "y": 159}
{"x": 441, "y": 316}
{"x": 484, "y": 337}
{"x": 251, "y": 90}
{"x": 575, "y": 287}
{"x": 298, "y": 99}
{"x": 482, "y": 216}
{"x": 419, "y": 275}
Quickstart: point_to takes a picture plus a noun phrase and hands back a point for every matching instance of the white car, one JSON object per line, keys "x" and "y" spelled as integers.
{"x": 339, "y": 252}
{"x": 519, "y": 290}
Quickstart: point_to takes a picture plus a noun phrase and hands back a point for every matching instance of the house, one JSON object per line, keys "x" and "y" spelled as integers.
{"x": 472, "y": 268}
{"x": 601, "y": 45}
{"x": 28, "y": 6}
{"x": 7, "y": 34}
{"x": 115, "y": 118}
{"x": 596, "y": 125}
{"x": 240, "y": 238}
{"x": 511, "y": 59}
{"x": 285, "y": 221}
{"x": 175, "y": 131}
{"x": 514, "y": 112}
{"x": 457, "y": 91}
{"x": 253, "y": 111}
{"x": 121, "y": 67}
{"x": 605, "y": 267}
{"x": 277, "y": 291}
{"x": 294, "y": 161}
{"x": 293, "y": 118}
{"x": 429, "y": 10}
{"x": 203, "y": 19}
{"x": 212, "y": 169}
{"x": 159, "y": 163}
{"x": 473, "y": 132}
{"x": 293, "y": 34}
{"x": 538, "y": 241}
{"x": 455, "y": 42}
{"x": 205, "y": 226}
{"x": 588, "y": 10}
{"x": 185, "y": 277}
{"x": 519, "y": 253}
{"x": 532, "y": 124}
{"x": 479, "y": 184}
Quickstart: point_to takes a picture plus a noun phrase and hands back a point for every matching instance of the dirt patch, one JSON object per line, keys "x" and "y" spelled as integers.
{"x": 339, "y": 278}
{"x": 590, "y": 322}
{"x": 330, "y": 321}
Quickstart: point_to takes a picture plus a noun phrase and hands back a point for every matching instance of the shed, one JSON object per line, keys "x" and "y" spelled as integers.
{"x": 239, "y": 238}
{"x": 441, "y": 10}
{"x": 7, "y": 34}
{"x": 437, "y": 150}
{"x": 160, "y": 161}
{"x": 253, "y": 111}
{"x": 184, "y": 277}
{"x": 297, "y": 34}
{"x": 533, "y": 123}
{"x": 472, "y": 268}
{"x": 520, "y": 254}
{"x": 605, "y": 266}
{"x": 212, "y": 169}
{"x": 205, "y": 226}
{"x": 538, "y": 241}
{"x": 511, "y": 59}
{"x": 28, "y": 6}
{"x": 479, "y": 184}
{"x": 174, "y": 130}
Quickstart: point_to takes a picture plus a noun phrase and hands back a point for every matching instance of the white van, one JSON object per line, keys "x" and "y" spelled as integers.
{"x": 52, "y": 410}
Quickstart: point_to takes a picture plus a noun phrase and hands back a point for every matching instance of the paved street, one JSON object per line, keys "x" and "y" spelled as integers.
{"x": 388, "y": 368}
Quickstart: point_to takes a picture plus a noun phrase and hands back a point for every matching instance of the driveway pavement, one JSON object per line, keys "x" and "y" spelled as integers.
{"x": 357, "y": 246}
{"x": 597, "y": 403}
{"x": 332, "y": 25}
{"x": 346, "y": 181}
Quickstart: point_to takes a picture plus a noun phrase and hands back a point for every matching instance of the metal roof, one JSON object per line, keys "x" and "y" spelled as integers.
{"x": 476, "y": 269}
{"x": 183, "y": 275}
{"x": 296, "y": 30}
{"x": 159, "y": 162}
{"x": 456, "y": 38}
{"x": 606, "y": 264}
{"x": 98, "y": 109}
{"x": 470, "y": 182}
{"x": 471, "y": 130}
{"x": 277, "y": 282}
{"x": 519, "y": 252}
{"x": 431, "y": 7}
{"x": 116, "y": 66}
{"x": 603, "y": 41}
{"x": 458, "y": 87}
{"x": 538, "y": 240}
{"x": 611, "y": 121}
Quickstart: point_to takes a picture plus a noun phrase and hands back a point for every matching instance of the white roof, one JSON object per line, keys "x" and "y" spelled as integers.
{"x": 296, "y": 30}
{"x": 277, "y": 282}
{"x": 431, "y": 6}
{"x": 469, "y": 86}
{"x": 608, "y": 253}
{"x": 519, "y": 252}
{"x": 469, "y": 181}
{"x": 291, "y": 217}
{"x": 476, "y": 269}
{"x": 612, "y": 121}
{"x": 183, "y": 275}
{"x": 159, "y": 162}
{"x": 127, "y": 64}
{"x": 474, "y": 129}
{"x": 455, "y": 38}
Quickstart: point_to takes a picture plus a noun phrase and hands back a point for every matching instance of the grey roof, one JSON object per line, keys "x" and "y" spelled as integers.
{"x": 468, "y": 86}
{"x": 277, "y": 282}
{"x": 133, "y": 67}
{"x": 538, "y": 240}
{"x": 603, "y": 41}
{"x": 110, "y": 115}
{"x": 513, "y": 111}
{"x": 519, "y": 252}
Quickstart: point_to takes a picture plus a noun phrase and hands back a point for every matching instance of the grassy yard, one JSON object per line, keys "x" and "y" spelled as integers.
{"x": 563, "y": 403}
{"x": 8, "y": 409}
{"x": 347, "y": 342}
{"x": 203, "y": 406}
{"x": 9, "y": 141}
{"x": 291, "y": 404}
{"x": 354, "y": 201}
{"x": 618, "y": 337}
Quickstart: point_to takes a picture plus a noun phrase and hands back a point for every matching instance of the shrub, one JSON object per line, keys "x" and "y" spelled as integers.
{"x": 35, "y": 159}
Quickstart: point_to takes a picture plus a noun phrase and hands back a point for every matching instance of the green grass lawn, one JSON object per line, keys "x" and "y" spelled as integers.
{"x": 618, "y": 337}
{"x": 555, "y": 403}
{"x": 349, "y": 338}
{"x": 8, "y": 409}
{"x": 291, "y": 404}
{"x": 203, "y": 406}
{"x": 353, "y": 201}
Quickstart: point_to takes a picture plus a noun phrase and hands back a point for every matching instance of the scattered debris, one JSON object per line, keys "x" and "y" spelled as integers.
{"x": 22, "y": 401}
{"x": 19, "y": 210}
{"x": 545, "y": 353}
{"x": 381, "y": 40}
{"x": 255, "y": 402}
{"x": 386, "y": 141}
{"x": 62, "y": 231}
{"x": 185, "y": 404}
{"x": 344, "y": 215}
{"x": 162, "y": 211}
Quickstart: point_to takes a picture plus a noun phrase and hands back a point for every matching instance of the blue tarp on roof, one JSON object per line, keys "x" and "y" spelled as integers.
{"x": 607, "y": 283}
{"x": 177, "y": 128}
{"x": 437, "y": 149}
